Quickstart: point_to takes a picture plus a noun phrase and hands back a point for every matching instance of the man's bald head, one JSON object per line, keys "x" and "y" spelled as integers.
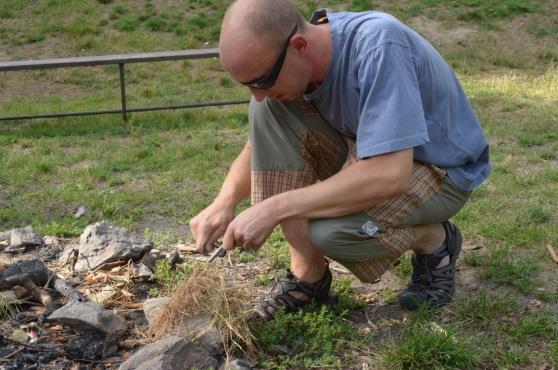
{"x": 268, "y": 21}
{"x": 253, "y": 33}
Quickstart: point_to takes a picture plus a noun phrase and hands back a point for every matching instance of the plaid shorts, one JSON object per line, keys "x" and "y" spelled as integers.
{"x": 293, "y": 147}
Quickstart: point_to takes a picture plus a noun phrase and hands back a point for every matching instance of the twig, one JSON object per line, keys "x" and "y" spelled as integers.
{"x": 11, "y": 354}
{"x": 552, "y": 252}
{"x": 341, "y": 271}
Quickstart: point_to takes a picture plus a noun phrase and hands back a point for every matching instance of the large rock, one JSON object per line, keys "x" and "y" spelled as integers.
{"x": 198, "y": 328}
{"x": 168, "y": 354}
{"x": 20, "y": 239}
{"x": 103, "y": 242}
{"x": 87, "y": 315}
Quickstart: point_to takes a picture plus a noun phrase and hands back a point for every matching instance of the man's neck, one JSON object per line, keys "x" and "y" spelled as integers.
{"x": 321, "y": 54}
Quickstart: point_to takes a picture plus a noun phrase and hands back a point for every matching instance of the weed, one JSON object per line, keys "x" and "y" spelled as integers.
{"x": 361, "y": 5}
{"x": 156, "y": 24}
{"x": 539, "y": 326}
{"x": 170, "y": 276}
{"x": 404, "y": 268}
{"x": 348, "y": 299}
{"x": 473, "y": 259}
{"x": 275, "y": 250}
{"x": 246, "y": 257}
{"x": 317, "y": 338}
{"x": 127, "y": 24}
{"x": 506, "y": 268}
{"x": 118, "y": 10}
{"x": 482, "y": 308}
{"x": 430, "y": 346}
{"x": 262, "y": 280}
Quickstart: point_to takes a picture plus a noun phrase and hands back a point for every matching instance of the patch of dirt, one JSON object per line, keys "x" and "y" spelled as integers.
{"x": 439, "y": 34}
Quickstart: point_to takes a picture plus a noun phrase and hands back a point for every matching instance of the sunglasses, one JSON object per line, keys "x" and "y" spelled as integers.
{"x": 268, "y": 80}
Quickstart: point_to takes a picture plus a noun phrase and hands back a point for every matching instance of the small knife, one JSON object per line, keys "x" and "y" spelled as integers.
{"x": 219, "y": 252}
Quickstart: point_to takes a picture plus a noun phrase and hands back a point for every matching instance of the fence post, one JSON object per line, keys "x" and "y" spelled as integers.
{"x": 123, "y": 92}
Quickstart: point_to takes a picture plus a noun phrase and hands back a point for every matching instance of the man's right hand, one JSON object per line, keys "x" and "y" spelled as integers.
{"x": 209, "y": 225}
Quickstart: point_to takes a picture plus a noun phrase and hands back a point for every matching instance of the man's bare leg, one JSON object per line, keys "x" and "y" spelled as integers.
{"x": 429, "y": 239}
{"x": 307, "y": 263}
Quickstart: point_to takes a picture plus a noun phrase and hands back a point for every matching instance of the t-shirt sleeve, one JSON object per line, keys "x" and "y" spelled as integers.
{"x": 391, "y": 113}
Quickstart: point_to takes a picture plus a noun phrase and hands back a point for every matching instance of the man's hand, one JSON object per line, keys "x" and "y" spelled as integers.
{"x": 209, "y": 225}
{"x": 250, "y": 229}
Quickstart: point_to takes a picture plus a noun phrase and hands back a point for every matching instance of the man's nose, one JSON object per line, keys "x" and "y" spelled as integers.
{"x": 259, "y": 94}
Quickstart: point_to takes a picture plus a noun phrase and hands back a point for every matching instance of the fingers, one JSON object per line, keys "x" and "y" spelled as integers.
{"x": 228, "y": 239}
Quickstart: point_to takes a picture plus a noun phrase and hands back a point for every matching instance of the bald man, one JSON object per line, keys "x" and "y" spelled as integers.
{"x": 362, "y": 146}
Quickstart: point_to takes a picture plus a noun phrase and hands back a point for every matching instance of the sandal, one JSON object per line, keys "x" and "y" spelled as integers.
{"x": 432, "y": 285}
{"x": 282, "y": 297}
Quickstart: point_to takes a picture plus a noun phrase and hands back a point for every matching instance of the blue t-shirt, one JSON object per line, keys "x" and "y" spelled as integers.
{"x": 390, "y": 90}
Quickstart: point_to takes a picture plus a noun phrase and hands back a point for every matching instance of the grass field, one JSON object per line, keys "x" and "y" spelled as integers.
{"x": 156, "y": 171}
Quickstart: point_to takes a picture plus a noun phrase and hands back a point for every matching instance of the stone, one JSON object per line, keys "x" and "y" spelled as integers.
{"x": 198, "y": 328}
{"x": 173, "y": 257}
{"x": 5, "y": 236}
{"x": 22, "y": 238}
{"x": 144, "y": 269}
{"x": 153, "y": 306}
{"x": 237, "y": 364}
{"x": 103, "y": 243}
{"x": 51, "y": 241}
{"x": 67, "y": 252}
{"x": 81, "y": 212}
{"x": 170, "y": 353}
{"x": 201, "y": 330}
{"x": 87, "y": 315}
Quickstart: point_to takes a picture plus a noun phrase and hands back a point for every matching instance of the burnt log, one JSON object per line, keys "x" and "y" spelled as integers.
{"x": 33, "y": 274}
{"x": 35, "y": 270}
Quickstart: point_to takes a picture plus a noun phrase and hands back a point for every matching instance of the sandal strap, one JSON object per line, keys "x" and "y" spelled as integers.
{"x": 280, "y": 294}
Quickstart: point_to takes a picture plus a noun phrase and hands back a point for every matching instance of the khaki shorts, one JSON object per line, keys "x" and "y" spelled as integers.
{"x": 293, "y": 146}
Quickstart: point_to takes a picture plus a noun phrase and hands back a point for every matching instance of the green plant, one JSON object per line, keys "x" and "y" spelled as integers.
{"x": 170, "y": 276}
{"x": 428, "y": 345}
{"x": 317, "y": 338}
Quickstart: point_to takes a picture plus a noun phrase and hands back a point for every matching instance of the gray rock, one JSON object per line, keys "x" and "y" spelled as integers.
{"x": 168, "y": 354}
{"x": 5, "y": 236}
{"x": 144, "y": 269}
{"x": 103, "y": 242}
{"x": 173, "y": 257}
{"x": 156, "y": 253}
{"x": 140, "y": 272}
{"x": 81, "y": 212}
{"x": 237, "y": 364}
{"x": 198, "y": 328}
{"x": 201, "y": 330}
{"x": 87, "y": 315}
{"x": 153, "y": 306}
{"x": 24, "y": 237}
{"x": 67, "y": 252}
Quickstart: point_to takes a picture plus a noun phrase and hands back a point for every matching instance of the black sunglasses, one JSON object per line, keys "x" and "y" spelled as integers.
{"x": 269, "y": 79}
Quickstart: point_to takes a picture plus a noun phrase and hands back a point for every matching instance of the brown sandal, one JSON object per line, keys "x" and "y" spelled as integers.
{"x": 281, "y": 295}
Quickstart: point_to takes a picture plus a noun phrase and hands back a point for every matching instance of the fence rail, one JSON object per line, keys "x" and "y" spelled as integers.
{"x": 121, "y": 60}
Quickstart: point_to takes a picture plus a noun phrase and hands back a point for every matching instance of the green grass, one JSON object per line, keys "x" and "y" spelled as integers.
{"x": 169, "y": 165}
{"x": 314, "y": 338}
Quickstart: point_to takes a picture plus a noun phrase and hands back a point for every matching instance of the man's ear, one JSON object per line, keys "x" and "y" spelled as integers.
{"x": 299, "y": 43}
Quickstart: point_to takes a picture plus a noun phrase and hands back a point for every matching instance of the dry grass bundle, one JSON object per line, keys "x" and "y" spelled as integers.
{"x": 9, "y": 304}
{"x": 205, "y": 292}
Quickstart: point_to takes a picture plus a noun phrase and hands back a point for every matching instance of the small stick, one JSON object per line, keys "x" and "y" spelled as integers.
{"x": 552, "y": 253}
{"x": 342, "y": 271}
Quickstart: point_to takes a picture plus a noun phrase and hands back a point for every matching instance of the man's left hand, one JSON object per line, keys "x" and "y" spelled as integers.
{"x": 251, "y": 228}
